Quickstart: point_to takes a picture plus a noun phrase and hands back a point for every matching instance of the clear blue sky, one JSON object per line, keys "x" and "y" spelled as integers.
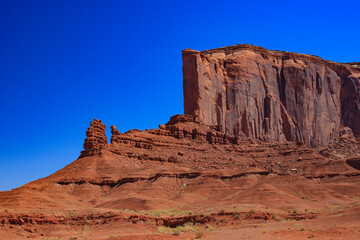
{"x": 63, "y": 63}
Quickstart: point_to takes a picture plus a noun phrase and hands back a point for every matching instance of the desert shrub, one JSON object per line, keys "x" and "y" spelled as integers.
{"x": 176, "y": 231}
{"x": 276, "y": 218}
{"x": 163, "y": 229}
{"x": 199, "y": 233}
{"x": 250, "y": 213}
{"x": 221, "y": 221}
{"x": 150, "y": 222}
{"x": 209, "y": 227}
{"x": 222, "y": 212}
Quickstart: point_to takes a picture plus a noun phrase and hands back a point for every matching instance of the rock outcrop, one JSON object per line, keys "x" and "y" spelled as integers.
{"x": 249, "y": 91}
{"x": 95, "y": 138}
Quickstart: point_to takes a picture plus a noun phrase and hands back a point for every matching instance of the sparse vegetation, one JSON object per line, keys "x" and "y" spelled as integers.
{"x": 150, "y": 222}
{"x": 209, "y": 227}
{"x": 225, "y": 180}
{"x": 221, "y": 221}
{"x": 276, "y": 218}
{"x": 161, "y": 212}
{"x": 157, "y": 213}
{"x": 187, "y": 227}
{"x": 176, "y": 231}
{"x": 199, "y": 234}
{"x": 163, "y": 229}
{"x": 84, "y": 229}
{"x": 250, "y": 213}
{"x": 71, "y": 213}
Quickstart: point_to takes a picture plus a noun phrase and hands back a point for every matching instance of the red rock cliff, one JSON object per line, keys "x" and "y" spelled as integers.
{"x": 271, "y": 95}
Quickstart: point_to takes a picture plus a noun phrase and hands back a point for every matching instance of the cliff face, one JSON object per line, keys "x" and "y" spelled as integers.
{"x": 271, "y": 95}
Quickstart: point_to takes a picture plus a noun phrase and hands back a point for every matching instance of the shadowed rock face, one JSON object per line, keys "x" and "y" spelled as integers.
{"x": 271, "y": 95}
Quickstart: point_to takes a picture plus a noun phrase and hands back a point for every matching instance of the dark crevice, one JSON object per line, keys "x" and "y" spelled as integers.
{"x": 282, "y": 87}
{"x": 191, "y": 175}
{"x": 354, "y": 162}
{"x": 281, "y": 82}
{"x": 318, "y": 83}
{"x": 267, "y": 106}
{"x": 219, "y": 109}
{"x": 113, "y": 183}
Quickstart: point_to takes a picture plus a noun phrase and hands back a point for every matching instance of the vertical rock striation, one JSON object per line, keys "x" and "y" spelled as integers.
{"x": 271, "y": 95}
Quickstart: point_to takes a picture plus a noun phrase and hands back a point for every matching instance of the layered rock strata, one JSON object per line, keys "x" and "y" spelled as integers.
{"x": 249, "y": 91}
{"x": 95, "y": 138}
{"x": 185, "y": 143}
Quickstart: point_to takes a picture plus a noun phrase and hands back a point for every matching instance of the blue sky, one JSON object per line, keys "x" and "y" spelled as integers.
{"x": 63, "y": 63}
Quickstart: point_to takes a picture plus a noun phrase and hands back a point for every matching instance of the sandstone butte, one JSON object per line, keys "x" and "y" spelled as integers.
{"x": 268, "y": 148}
{"x": 272, "y": 95}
